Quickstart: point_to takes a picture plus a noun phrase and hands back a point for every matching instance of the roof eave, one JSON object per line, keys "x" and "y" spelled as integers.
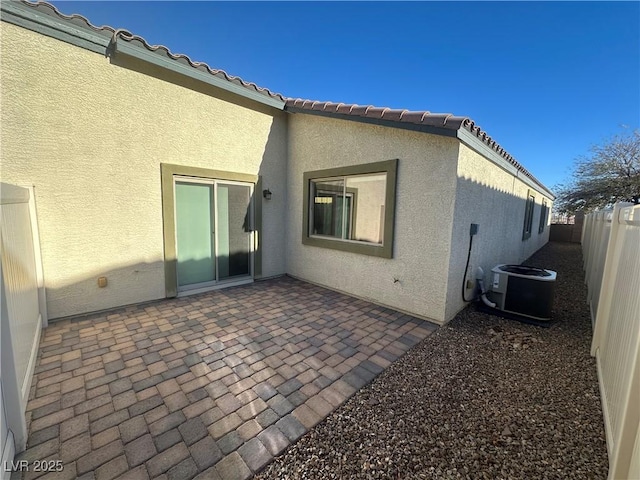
{"x": 28, "y": 17}
{"x": 473, "y": 142}
{"x": 446, "y": 132}
{"x": 459, "y": 130}
{"x": 106, "y": 40}
{"x": 124, "y": 47}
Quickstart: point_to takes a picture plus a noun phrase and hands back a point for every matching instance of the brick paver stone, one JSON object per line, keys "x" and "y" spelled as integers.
{"x": 167, "y": 459}
{"x": 100, "y": 412}
{"x": 45, "y": 409}
{"x": 138, "y": 473}
{"x": 98, "y": 457}
{"x": 74, "y": 426}
{"x": 333, "y": 396}
{"x": 103, "y": 438}
{"x": 268, "y": 417}
{"x": 185, "y": 470}
{"x": 168, "y": 387}
{"x": 255, "y": 455}
{"x": 140, "y": 450}
{"x": 249, "y": 429}
{"x": 224, "y": 426}
{"x": 167, "y": 439}
{"x": 289, "y": 386}
{"x": 232, "y": 467}
{"x": 252, "y": 409}
{"x": 211, "y": 416}
{"x": 143, "y": 406}
{"x": 167, "y": 423}
{"x": 156, "y": 414}
{"x": 198, "y": 408}
{"x": 205, "y": 453}
{"x": 176, "y": 401}
{"x": 72, "y": 399}
{"x": 228, "y": 403}
{"x": 52, "y": 419}
{"x": 230, "y": 442}
{"x": 307, "y": 416}
{"x": 43, "y": 435}
{"x": 319, "y": 405}
{"x": 209, "y": 474}
{"x": 354, "y": 380}
{"x": 291, "y": 427}
{"x": 274, "y": 440}
{"x": 344, "y": 388}
{"x": 40, "y": 451}
{"x": 75, "y": 448}
{"x": 112, "y": 469}
{"x": 210, "y": 386}
{"x": 192, "y": 430}
{"x": 133, "y": 428}
{"x": 280, "y": 405}
{"x": 110, "y": 420}
{"x": 124, "y": 400}
{"x": 265, "y": 391}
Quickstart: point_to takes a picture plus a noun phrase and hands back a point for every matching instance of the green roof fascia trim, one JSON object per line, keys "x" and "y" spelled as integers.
{"x": 121, "y": 46}
{"x": 26, "y": 17}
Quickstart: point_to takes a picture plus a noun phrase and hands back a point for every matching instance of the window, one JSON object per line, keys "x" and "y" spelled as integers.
{"x": 351, "y": 208}
{"x": 528, "y": 215}
{"x": 543, "y": 216}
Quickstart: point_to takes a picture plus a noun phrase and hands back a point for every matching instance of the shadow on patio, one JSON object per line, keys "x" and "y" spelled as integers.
{"x": 218, "y": 383}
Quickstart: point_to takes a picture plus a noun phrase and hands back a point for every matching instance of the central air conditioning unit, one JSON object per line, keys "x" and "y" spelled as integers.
{"x": 522, "y": 290}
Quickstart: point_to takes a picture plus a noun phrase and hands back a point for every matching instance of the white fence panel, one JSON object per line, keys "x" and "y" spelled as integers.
{"x": 23, "y": 304}
{"x": 613, "y": 271}
{"x": 600, "y": 240}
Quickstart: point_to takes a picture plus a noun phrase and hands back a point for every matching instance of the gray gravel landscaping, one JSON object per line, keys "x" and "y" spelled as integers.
{"x": 482, "y": 397}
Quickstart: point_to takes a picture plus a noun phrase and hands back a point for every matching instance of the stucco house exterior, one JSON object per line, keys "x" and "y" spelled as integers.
{"x": 155, "y": 176}
{"x": 149, "y": 170}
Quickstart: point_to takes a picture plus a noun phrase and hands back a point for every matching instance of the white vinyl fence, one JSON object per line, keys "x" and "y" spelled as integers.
{"x": 22, "y": 312}
{"x": 611, "y": 248}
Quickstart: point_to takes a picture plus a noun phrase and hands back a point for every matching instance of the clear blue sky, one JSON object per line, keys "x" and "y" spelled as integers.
{"x": 544, "y": 79}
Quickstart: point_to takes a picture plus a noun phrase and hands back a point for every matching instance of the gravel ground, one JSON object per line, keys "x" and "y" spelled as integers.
{"x": 483, "y": 397}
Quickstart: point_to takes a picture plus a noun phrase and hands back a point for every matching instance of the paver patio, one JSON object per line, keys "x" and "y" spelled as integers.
{"x": 213, "y": 385}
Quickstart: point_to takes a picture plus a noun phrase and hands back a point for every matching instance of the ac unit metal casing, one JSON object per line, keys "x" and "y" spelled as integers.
{"x": 522, "y": 290}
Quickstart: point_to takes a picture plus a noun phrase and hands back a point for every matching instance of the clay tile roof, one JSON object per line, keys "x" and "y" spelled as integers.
{"x": 331, "y": 107}
{"x": 413, "y": 117}
{"x": 358, "y": 110}
{"x": 439, "y": 120}
{"x": 375, "y": 112}
{"x": 394, "y": 115}
{"x": 344, "y": 108}
{"x": 75, "y": 19}
{"x": 121, "y": 34}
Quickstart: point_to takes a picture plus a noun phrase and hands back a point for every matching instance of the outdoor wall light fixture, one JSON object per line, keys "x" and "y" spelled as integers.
{"x": 266, "y": 194}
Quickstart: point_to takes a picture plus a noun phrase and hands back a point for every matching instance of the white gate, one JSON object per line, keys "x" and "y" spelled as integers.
{"x": 22, "y": 314}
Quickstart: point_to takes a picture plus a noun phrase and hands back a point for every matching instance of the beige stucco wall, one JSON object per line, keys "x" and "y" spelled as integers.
{"x": 424, "y": 207}
{"x": 91, "y": 134}
{"x": 495, "y": 200}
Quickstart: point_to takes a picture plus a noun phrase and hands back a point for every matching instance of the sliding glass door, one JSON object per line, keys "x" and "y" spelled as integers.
{"x": 234, "y": 230}
{"x": 214, "y": 232}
